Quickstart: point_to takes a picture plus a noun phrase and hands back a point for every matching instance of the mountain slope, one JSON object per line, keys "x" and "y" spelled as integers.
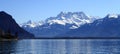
{"x": 8, "y": 23}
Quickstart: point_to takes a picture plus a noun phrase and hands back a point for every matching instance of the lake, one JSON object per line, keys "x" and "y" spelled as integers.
{"x": 61, "y": 46}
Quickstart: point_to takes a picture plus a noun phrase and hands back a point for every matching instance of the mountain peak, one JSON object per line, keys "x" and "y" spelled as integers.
{"x": 65, "y": 14}
{"x": 61, "y": 14}
{"x": 71, "y": 15}
{"x": 112, "y": 15}
{"x": 3, "y": 14}
{"x": 29, "y": 22}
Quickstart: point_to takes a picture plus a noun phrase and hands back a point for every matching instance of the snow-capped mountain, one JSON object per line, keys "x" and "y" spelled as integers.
{"x": 113, "y": 15}
{"x": 109, "y": 26}
{"x": 77, "y": 18}
{"x": 32, "y": 24}
{"x": 62, "y": 23}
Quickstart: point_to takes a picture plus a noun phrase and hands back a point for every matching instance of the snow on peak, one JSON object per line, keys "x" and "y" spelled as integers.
{"x": 73, "y": 27}
{"x": 112, "y": 15}
{"x": 63, "y": 18}
{"x": 56, "y": 21}
{"x": 71, "y": 14}
{"x": 31, "y": 24}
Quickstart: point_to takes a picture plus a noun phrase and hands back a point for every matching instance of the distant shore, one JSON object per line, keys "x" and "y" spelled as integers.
{"x": 78, "y": 38}
{"x": 63, "y": 38}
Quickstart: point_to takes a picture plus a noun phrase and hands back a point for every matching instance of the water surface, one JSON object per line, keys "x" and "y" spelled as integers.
{"x": 61, "y": 46}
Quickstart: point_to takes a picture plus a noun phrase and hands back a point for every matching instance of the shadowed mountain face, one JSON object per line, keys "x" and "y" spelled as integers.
{"x": 8, "y": 23}
{"x": 109, "y": 26}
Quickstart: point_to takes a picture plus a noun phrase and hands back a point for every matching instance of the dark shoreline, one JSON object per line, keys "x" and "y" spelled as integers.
{"x": 79, "y": 38}
{"x": 63, "y": 38}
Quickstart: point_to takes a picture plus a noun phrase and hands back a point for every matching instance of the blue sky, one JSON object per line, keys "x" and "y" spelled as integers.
{"x": 36, "y": 10}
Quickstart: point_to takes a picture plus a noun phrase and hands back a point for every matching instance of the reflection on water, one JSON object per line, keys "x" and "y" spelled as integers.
{"x": 7, "y": 47}
{"x": 60, "y": 46}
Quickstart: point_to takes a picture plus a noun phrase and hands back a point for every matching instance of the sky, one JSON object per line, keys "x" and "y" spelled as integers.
{"x": 37, "y": 10}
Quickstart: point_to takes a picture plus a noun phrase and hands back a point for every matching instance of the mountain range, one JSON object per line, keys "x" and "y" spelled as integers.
{"x": 65, "y": 24}
{"x": 75, "y": 24}
{"x": 62, "y": 23}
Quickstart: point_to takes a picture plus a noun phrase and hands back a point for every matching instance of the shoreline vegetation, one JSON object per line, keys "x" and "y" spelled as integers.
{"x": 7, "y": 36}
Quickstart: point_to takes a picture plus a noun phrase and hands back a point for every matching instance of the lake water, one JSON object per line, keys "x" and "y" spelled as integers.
{"x": 61, "y": 46}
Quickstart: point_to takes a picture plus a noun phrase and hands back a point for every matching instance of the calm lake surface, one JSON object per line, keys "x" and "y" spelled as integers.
{"x": 61, "y": 46}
